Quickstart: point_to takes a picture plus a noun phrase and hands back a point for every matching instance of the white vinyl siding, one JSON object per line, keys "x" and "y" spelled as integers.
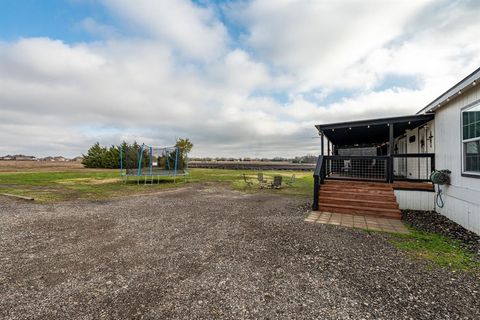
{"x": 462, "y": 197}
{"x": 415, "y": 200}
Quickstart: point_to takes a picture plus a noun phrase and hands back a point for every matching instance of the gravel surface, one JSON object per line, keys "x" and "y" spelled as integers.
{"x": 207, "y": 252}
{"x": 431, "y": 221}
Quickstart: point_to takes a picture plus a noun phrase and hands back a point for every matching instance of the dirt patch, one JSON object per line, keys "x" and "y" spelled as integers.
{"x": 207, "y": 252}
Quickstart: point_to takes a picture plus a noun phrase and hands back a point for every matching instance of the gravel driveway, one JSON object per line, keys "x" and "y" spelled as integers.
{"x": 208, "y": 252}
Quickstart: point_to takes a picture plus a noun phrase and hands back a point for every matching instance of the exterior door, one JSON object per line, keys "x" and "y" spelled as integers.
{"x": 401, "y": 162}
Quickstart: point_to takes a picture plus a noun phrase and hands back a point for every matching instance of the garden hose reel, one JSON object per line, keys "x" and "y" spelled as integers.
{"x": 440, "y": 177}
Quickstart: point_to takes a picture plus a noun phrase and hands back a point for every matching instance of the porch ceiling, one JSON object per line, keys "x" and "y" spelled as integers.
{"x": 373, "y": 131}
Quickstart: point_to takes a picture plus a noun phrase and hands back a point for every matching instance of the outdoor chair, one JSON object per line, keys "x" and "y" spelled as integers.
{"x": 291, "y": 182}
{"x": 247, "y": 182}
{"x": 277, "y": 182}
{"x": 262, "y": 182}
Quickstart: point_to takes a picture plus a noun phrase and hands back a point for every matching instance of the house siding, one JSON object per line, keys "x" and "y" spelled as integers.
{"x": 415, "y": 200}
{"x": 462, "y": 201}
{"x": 415, "y": 168}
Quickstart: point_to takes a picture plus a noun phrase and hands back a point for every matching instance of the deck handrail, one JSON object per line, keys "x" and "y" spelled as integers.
{"x": 382, "y": 170}
{"x": 413, "y": 155}
{"x": 318, "y": 177}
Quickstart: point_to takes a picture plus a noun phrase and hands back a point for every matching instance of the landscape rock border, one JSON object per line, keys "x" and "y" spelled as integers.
{"x": 431, "y": 221}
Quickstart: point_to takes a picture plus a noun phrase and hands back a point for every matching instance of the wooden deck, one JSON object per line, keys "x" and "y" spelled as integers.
{"x": 365, "y": 198}
{"x": 359, "y": 198}
{"x": 408, "y": 185}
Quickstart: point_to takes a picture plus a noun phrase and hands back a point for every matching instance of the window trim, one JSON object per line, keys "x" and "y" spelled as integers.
{"x": 465, "y": 173}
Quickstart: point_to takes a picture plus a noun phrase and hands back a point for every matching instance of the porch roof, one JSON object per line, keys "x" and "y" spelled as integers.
{"x": 370, "y": 131}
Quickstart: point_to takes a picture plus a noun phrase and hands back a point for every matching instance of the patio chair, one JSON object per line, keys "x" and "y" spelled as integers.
{"x": 277, "y": 182}
{"x": 247, "y": 182}
{"x": 262, "y": 182}
{"x": 291, "y": 182}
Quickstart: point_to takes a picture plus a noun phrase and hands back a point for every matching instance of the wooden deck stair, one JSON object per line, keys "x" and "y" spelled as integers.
{"x": 359, "y": 198}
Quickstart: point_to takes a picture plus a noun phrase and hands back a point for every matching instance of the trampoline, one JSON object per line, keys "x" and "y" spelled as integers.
{"x": 149, "y": 163}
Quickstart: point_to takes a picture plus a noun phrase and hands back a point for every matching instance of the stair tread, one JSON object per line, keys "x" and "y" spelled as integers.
{"x": 359, "y": 200}
{"x": 349, "y": 193}
{"x": 346, "y": 206}
{"x": 364, "y": 213}
{"x": 369, "y": 191}
{"x": 358, "y": 183}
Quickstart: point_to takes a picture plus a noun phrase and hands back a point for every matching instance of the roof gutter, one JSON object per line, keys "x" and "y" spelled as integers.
{"x": 464, "y": 85}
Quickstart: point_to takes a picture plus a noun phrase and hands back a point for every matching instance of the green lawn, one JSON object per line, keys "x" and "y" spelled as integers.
{"x": 99, "y": 184}
{"x": 438, "y": 249}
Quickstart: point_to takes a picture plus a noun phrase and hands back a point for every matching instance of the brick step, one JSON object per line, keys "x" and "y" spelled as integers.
{"x": 378, "y": 212}
{"x": 361, "y": 203}
{"x": 357, "y": 195}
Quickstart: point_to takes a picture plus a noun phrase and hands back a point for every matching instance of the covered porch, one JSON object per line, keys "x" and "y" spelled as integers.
{"x": 397, "y": 151}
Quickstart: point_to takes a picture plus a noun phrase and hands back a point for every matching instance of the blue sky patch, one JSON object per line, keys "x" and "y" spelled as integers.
{"x": 55, "y": 19}
{"x": 411, "y": 82}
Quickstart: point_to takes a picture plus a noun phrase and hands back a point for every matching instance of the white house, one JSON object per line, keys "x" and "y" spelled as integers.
{"x": 457, "y": 148}
{"x": 402, "y": 153}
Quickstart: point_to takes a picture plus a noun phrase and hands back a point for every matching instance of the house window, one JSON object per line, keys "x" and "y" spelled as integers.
{"x": 471, "y": 140}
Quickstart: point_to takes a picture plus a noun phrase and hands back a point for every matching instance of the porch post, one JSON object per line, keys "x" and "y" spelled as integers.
{"x": 328, "y": 147}
{"x": 390, "y": 153}
{"x": 323, "y": 142}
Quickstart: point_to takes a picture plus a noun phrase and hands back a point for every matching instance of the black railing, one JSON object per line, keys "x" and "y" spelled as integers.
{"x": 318, "y": 177}
{"x": 413, "y": 167}
{"x": 398, "y": 167}
{"x": 371, "y": 168}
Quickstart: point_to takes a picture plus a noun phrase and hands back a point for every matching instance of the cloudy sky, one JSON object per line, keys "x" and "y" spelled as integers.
{"x": 239, "y": 78}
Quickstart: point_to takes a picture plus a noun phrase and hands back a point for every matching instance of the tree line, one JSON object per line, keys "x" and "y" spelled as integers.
{"x": 109, "y": 157}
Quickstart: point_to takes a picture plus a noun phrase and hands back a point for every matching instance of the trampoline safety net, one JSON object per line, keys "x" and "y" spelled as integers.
{"x": 153, "y": 161}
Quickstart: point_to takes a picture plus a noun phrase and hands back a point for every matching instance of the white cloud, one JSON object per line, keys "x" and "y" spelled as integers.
{"x": 193, "y": 30}
{"x": 323, "y": 42}
{"x": 257, "y": 97}
{"x": 90, "y": 25}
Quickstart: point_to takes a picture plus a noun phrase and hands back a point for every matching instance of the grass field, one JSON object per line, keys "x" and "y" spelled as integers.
{"x": 47, "y": 183}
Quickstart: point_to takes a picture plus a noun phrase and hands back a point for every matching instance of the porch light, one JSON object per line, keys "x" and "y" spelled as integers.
{"x": 459, "y": 92}
{"x": 388, "y": 124}
{"x": 368, "y": 126}
{"x": 448, "y": 99}
{"x": 350, "y": 128}
{"x": 409, "y": 122}
{"x": 474, "y": 83}
{"x": 438, "y": 105}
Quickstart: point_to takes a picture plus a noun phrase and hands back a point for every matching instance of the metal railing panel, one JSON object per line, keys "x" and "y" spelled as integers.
{"x": 413, "y": 167}
{"x": 357, "y": 168}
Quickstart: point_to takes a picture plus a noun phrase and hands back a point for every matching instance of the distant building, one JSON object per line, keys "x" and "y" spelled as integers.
{"x": 22, "y": 157}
